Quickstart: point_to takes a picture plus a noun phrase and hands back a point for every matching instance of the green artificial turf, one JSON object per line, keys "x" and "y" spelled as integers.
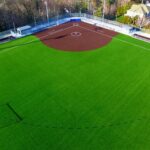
{"x": 94, "y": 100}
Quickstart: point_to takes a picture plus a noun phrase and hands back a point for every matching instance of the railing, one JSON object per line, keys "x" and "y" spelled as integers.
{"x": 5, "y": 34}
{"x": 97, "y": 18}
{"x": 42, "y": 25}
{"x": 37, "y": 26}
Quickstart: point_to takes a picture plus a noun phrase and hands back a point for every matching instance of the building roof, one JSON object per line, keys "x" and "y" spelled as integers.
{"x": 140, "y": 9}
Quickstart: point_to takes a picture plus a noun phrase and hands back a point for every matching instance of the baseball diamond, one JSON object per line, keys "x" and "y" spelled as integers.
{"x": 87, "y": 37}
{"x": 75, "y": 86}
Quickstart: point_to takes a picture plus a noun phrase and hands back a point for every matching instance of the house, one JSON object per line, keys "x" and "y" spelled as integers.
{"x": 140, "y": 10}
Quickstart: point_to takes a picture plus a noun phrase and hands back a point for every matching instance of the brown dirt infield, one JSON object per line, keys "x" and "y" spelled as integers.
{"x": 76, "y": 37}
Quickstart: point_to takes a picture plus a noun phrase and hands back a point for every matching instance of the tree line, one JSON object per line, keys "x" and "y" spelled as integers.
{"x": 15, "y": 13}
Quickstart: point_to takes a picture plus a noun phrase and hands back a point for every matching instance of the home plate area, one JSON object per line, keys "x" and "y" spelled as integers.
{"x": 76, "y": 37}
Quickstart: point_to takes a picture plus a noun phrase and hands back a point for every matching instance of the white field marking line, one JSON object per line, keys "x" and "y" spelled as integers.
{"x": 148, "y": 49}
{"x": 100, "y": 31}
{"x": 22, "y": 44}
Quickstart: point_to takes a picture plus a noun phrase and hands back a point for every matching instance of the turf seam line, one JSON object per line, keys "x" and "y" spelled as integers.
{"x": 106, "y": 125}
{"x": 2, "y": 105}
{"x": 112, "y": 37}
{"x": 14, "y": 112}
{"x": 26, "y": 43}
{"x": 7, "y": 126}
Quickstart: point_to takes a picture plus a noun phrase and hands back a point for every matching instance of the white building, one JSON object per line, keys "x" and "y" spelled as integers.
{"x": 140, "y": 10}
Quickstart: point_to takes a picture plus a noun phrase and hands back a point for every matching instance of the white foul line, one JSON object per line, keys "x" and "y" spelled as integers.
{"x": 39, "y": 38}
{"x": 112, "y": 37}
{"x": 58, "y": 31}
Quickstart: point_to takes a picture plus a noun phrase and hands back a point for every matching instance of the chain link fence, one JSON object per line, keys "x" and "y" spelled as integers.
{"x": 42, "y": 25}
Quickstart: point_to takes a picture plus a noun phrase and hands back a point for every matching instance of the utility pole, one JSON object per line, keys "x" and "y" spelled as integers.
{"x": 89, "y": 5}
{"x": 13, "y": 23}
{"x": 80, "y": 7}
{"x": 5, "y": 13}
{"x": 46, "y": 5}
{"x": 14, "y": 27}
{"x": 142, "y": 1}
{"x": 104, "y": 4}
{"x": 34, "y": 20}
{"x": 54, "y": 9}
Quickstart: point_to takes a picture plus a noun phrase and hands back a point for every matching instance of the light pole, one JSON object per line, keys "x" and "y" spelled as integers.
{"x": 80, "y": 7}
{"x": 5, "y": 13}
{"x": 104, "y": 4}
{"x": 90, "y": 8}
{"x": 46, "y": 5}
{"x": 34, "y": 20}
{"x": 14, "y": 27}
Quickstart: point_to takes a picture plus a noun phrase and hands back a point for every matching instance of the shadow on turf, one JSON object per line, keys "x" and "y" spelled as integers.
{"x": 60, "y": 37}
{"x": 17, "y": 118}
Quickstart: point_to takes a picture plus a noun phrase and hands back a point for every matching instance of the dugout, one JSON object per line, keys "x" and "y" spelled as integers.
{"x": 23, "y": 30}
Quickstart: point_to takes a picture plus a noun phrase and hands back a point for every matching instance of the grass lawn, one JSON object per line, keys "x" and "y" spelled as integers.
{"x": 120, "y": 19}
{"x": 94, "y": 100}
